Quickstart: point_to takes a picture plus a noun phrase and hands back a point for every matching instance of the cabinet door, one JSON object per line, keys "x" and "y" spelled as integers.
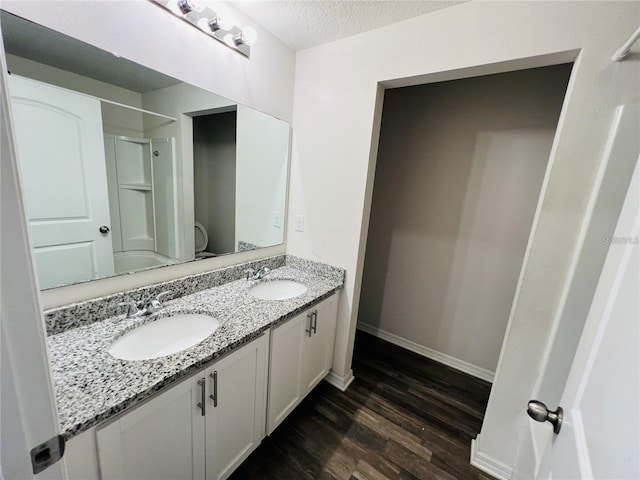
{"x": 235, "y": 407}
{"x": 285, "y": 369}
{"x": 161, "y": 439}
{"x": 317, "y": 349}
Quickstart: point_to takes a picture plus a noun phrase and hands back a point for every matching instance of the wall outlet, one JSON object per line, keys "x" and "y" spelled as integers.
{"x": 299, "y": 223}
{"x": 277, "y": 219}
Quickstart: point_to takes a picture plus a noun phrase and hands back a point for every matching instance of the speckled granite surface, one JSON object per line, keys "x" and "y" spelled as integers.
{"x": 92, "y": 386}
{"x": 75, "y": 315}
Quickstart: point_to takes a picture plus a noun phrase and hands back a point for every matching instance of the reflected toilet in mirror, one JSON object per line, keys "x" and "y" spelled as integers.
{"x": 201, "y": 241}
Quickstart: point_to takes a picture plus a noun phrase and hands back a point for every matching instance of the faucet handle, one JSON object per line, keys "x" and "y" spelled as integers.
{"x": 249, "y": 272}
{"x": 152, "y": 305}
{"x": 161, "y": 295}
{"x": 133, "y": 308}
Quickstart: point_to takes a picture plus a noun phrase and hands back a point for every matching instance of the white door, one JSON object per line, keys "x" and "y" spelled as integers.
{"x": 600, "y": 433}
{"x": 61, "y": 155}
{"x": 318, "y": 345}
{"x": 235, "y": 410}
{"x": 285, "y": 374}
{"x": 161, "y": 439}
{"x": 540, "y": 444}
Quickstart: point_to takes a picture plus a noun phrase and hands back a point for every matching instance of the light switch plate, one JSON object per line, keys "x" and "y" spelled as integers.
{"x": 299, "y": 223}
{"x": 277, "y": 219}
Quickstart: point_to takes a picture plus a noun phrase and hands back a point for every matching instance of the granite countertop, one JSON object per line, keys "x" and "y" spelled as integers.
{"x": 92, "y": 386}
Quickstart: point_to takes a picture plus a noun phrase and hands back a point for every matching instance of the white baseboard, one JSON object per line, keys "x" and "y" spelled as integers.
{"x": 488, "y": 464}
{"x": 443, "y": 358}
{"x": 341, "y": 383}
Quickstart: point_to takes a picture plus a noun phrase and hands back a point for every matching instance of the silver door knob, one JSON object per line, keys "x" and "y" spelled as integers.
{"x": 104, "y": 229}
{"x": 540, "y": 413}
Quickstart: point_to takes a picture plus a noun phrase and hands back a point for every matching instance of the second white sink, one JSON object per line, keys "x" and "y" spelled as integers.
{"x": 277, "y": 290}
{"x": 164, "y": 336}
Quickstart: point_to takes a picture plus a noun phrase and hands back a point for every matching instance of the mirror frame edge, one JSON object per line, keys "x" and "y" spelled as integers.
{"x": 65, "y": 295}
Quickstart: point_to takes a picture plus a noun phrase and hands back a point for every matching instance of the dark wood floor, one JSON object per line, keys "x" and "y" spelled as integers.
{"x": 404, "y": 417}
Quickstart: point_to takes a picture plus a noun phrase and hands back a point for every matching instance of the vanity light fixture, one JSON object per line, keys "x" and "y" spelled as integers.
{"x": 209, "y": 22}
{"x": 217, "y": 23}
{"x": 186, "y": 6}
{"x": 247, "y": 37}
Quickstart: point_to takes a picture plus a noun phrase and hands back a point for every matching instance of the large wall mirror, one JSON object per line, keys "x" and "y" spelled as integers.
{"x": 125, "y": 168}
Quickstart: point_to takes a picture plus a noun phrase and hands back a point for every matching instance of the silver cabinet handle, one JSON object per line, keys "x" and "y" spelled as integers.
{"x": 214, "y": 396}
{"x": 202, "y": 404}
{"x": 315, "y": 321}
{"x": 540, "y": 413}
{"x": 310, "y": 317}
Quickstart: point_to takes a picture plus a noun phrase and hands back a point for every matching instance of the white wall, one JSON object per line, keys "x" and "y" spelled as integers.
{"x": 146, "y": 34}
{"x": 458, "y": 175}
{"x": 261, "y": 180}
{"x": 336, "y": 120}
{"x": 262, "y": 149}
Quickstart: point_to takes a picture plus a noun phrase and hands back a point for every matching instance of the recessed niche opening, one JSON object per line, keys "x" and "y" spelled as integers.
{"x": 214, "y": 180}
{"x": 458, "y": 178}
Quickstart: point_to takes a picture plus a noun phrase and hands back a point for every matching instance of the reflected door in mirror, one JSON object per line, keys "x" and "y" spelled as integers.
{"x": 59, "y": 145}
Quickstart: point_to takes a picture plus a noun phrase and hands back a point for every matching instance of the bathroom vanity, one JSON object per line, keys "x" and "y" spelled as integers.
{"x": 200, "y": 412}
{"x": 131, "y": 155}
{"x": 203, "y": 427}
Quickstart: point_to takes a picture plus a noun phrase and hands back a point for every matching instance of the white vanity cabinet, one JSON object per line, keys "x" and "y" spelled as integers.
{"x": 300, "y": 357}
{"x": 236, "y": 406}
{"x": 204, "y": 427}
{"x": 161, "y": 439}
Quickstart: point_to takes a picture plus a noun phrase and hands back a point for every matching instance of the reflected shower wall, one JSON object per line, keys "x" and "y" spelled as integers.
{"x": 141, "y": 186}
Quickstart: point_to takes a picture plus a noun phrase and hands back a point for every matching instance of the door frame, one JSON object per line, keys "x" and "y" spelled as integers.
{"x": 29, "y": 414}
{"x": 479, "y": 458}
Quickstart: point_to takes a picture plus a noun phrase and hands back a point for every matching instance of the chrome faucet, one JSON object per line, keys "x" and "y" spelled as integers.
{"x": 134, "y": 309}
{"x": 251, "y": 274}
{"x": 146, "y": 306}
{"x": 153, "y": 305}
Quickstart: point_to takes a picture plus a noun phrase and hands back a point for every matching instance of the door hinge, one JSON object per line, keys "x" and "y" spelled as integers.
{"x": 47, "y": 453}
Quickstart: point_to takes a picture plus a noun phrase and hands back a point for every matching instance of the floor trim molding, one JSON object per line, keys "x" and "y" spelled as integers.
{"x": 443, "y": 358}
{"x": 489, "y": 464}
{"x": 341, "y": 383}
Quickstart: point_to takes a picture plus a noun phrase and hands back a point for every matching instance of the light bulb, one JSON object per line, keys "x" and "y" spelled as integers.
{"x": 203, "y": 24}
{"x": 248, "y": 36}
{"x": 229, "y": 40}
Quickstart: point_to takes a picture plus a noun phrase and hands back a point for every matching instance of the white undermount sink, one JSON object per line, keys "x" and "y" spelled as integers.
{"x": 164, "y": 336}
{"x": 277, "y": 290}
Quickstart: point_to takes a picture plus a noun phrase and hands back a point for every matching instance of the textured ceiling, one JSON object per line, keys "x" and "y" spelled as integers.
{"x": 303, "y": 24}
